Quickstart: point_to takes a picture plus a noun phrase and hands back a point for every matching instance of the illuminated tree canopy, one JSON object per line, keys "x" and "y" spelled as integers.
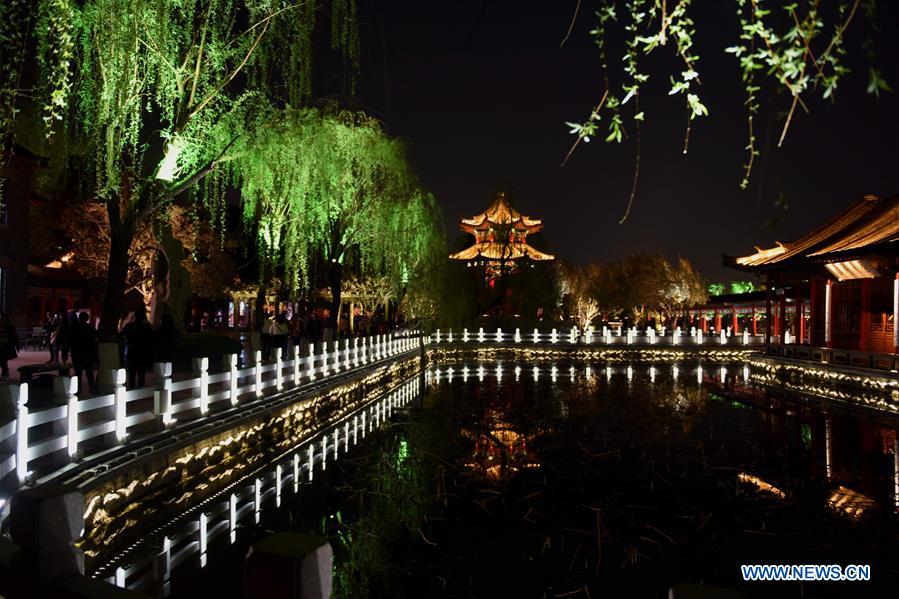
{"x": 150, "y": 94}
{"x": 331, "y": 194}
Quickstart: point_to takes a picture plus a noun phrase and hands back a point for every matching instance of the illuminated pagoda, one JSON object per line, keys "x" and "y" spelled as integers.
{"x": 500, "y": 235}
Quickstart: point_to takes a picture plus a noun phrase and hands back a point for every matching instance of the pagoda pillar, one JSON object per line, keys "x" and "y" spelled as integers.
{"x": 812, "y": 311}
{"x": 864, "y": 337}
{"x": 754, "y": 323}
{"x": 782, "y": 317}
{"x": 717, "y": 320}
{"x": 768, "y": 318}
{"x": 896, "y": 316}
{"x": 800, "y": 314}
{"x": 828, "y": 314}
{"x": 735, "y": 322}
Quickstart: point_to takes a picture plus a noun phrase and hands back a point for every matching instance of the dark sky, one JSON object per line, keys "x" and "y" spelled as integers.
{"x": 481, "y": 90}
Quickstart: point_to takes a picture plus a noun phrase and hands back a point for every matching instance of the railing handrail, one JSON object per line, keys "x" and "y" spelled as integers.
{"x": 591, "y": 336}
{"x": 170, "y": 398}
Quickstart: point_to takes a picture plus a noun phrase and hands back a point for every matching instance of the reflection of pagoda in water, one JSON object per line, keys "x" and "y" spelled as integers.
{"x": 500, "y": 235}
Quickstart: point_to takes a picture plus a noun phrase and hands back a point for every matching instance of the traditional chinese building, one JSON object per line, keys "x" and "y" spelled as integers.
{"x": 500, "y": 235}
{"x": 836, "y": 287}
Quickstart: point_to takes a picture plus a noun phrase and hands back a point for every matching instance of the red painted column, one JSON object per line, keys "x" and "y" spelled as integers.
{"x": 812, "y": 311}
{"x": 828, "y": 314}
{"x": 754, "y": 324}
{"x": 782, "y": 318}
{"x": 717, "y": 320}
{"x": 768, "y": 318}
{"x": 896, "y": 328}
{"x": 800, "y": 314}
{"x": 736, "y": 324}
{"x": 864, "y": 338}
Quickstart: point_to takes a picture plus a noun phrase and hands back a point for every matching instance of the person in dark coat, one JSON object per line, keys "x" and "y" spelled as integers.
{"x": 62, "y": 335}
{"x": 83, "y": 343}
{"x": 9, "y": 345}
{"x": 139, "y": 338}
{"x": 166, "y": 339}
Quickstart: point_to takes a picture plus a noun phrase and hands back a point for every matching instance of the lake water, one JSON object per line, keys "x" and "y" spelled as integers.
{"x": 580, "y": 479}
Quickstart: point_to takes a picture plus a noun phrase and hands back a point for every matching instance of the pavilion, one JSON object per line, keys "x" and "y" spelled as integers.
{"x": 500, "y": 234}
{"x": 835, "y": 288}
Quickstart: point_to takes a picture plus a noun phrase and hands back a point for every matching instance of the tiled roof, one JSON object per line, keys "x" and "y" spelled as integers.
{"x": 867, "y": 222}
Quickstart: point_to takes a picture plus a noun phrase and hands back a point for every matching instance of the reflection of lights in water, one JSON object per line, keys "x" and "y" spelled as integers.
{"x": 449, "y": 374}
{"x": 465, "y": 335}
{"x": 896, "y": 472}
{"x": 828, "y": 450}
{"x": 499, "y": 335}
{"x": 699, "y": 375}
{"x": 296, "y": 470}
{"x": 745, "y": 374}
{"x": 481, "y": 373}
{"x": 675, "y": 371}
{"x": 312, "y": 456}
{"x": 481, "y": 335}
{"x": 517, "y": 373}
{"x": 723, "y": 374}
{"x": 536, "y": 372}
{"x": 449, "y": 336}
{"x": 554, "y": 373}
{"x": 760, "y": 485}
{"x": 465, "y": 374}
{"x": 278, "y": 485}
{"x": 608, "y": 373}
{"x": 437, "y": 374}
{"x": 630, "y": 373}
{"x": 499, "y": 373}
{"x": 257, "y": 499}
{"x": 232, "y": 516}
{"x": 652, "y": 374}
{"x": 850, "y": 503}
{"x": 589, "y": 373}
{"x": 571, "y": 373}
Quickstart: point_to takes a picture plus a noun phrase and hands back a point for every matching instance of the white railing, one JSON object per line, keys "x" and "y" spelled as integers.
{"x": 604, "y": 336}
{"x": 151, "y": 567}
{"x": 54, "y": 436}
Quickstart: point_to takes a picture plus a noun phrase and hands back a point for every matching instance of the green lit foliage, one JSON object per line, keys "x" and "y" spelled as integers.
{"x": 798, "y": 48}
{"x": 329, "y": 188}
{"x": 150, "y": 94}
{"x": 742, "y": 287}
{"x": 716, "y": 288}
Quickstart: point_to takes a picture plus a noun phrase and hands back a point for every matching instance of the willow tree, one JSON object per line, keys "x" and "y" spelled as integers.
{"x": 331, "y": 194}
{"x": 794, "y": 52}
{"x": 151, "y": 94}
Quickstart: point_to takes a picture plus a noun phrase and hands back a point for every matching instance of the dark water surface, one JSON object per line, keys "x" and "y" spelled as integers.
{"x": 582, "y": 480}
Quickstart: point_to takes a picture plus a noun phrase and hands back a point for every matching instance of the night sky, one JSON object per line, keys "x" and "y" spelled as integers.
{"x": 481, "y": 89}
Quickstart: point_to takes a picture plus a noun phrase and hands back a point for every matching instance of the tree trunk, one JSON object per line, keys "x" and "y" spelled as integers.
{"x": 335, "y": 280}
{"x": 121, "y": 235}
{"x": 172, "y": 285}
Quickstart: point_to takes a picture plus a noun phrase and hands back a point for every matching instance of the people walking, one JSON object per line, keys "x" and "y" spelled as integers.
{"x": 51, "y": 330}
{"x": 83, "y": 344}
{"x": 139, "y": 337}
{"x": 62, "y": 335}
{"x": 9, "y": 345}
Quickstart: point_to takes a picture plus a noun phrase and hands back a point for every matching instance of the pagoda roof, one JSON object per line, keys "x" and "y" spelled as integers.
{"x": 500, "y": 213}
{"x": 870, "y": 223}
{"x": 493, "y": 250}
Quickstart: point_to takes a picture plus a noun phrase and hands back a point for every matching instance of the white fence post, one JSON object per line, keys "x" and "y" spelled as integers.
{"x": 449, "y": 336}
{"x": 346, "y": 354}
{"x": 232, "y": 378}
{"x": 356, "y": 352}
{"x": 722, "y": 337}
{"x": 257, "y": 372}
{"x": 481, "y": 335}
{"x": 536, "y": 336}
{"x": 311, "y": 361}
{"x": 279, "y": 368}
{"x": 572, "y": 335}
{"x": 437, "y": 336}
{"x": 745, "y": 337}
{"x": 23, "y": 420}
{"x": 465, "y": 335}
{"x": 162, "y": 395}
{"x": 120, "y": 406}
{"x": 67, "y": 389}
{"x": 201, "y": 369}
{"x": 296, "y": 365}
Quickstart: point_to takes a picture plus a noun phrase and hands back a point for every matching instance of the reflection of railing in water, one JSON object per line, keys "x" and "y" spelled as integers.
{"x": 222, "y": 513}
{"x": 56, "y": 434}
